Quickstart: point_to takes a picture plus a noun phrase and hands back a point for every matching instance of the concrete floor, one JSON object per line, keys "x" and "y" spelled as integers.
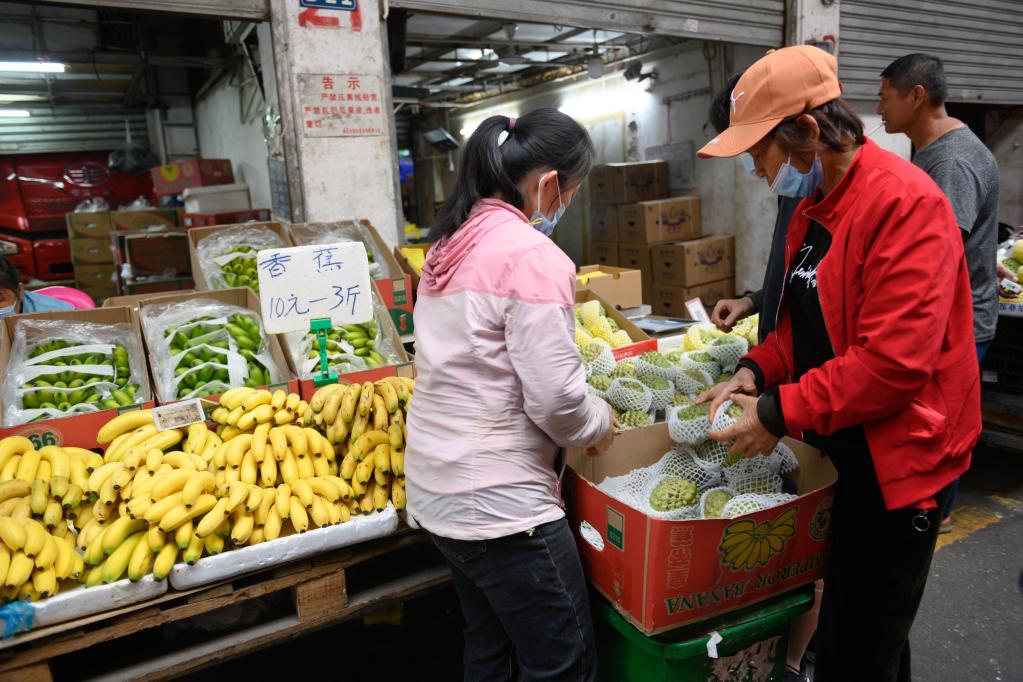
{"x": 970, "y": 625}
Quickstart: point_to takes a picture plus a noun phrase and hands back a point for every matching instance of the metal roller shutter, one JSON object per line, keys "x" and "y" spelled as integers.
{"x": 67, "y": 131}
{"x": 754, "y": 22}
{"x": 980, "y": 43}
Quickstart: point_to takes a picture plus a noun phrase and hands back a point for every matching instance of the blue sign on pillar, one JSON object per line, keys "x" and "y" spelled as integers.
{"x": 346, "y": 5}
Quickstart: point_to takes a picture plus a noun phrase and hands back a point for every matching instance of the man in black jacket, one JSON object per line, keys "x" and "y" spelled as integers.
{"x": 765, "y": 301}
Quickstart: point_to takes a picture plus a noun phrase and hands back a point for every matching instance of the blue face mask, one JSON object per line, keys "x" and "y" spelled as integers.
{"x": 6, "y": 310}
{"x": 789, "y": 182}
{"x": 748, "y": 164}
{"x": 541, "y": 222}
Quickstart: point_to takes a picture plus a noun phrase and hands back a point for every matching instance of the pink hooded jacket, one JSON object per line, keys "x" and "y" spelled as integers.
{"x": 500, "y": 382}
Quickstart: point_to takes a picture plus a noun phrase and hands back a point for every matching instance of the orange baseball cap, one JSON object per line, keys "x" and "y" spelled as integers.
{"x": 783, "y": 83}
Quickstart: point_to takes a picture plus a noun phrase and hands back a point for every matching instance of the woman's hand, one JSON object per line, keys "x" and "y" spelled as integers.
{"x": 750, "y": 436}
{"x": 602, "y": 445}
{"x": 1006, "y": 273}
{"x": 744, "y": 381}
{"x": 728, "y": 311}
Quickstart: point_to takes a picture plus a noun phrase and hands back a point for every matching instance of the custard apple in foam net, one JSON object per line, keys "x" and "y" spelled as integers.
{"x": 620, "y": 338}
{"x": 673, "y": 492}
{"x": 582, "y": 337}
{"x": 601, "y": 383}
{"x": 601, "y": 329}
{"x": 634, "y": 419}
{"x": 712, "y": 502}
{"x": 624, "y": 369}
{"x": 656, "y": 383}
{"x": 681, "y": 399}
{"x": 656, "y": 359}
{"x": 590, "y": 311}
{"x": 592, "y": 351}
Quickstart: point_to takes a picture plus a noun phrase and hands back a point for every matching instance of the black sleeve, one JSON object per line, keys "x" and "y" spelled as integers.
{"x": 757, "y": 373}
{"x": 758, "y": 300}
{"x": 769, "y": 413}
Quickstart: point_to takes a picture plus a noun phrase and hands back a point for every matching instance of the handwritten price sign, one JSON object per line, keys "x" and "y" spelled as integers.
{"x": 304, "y": 283}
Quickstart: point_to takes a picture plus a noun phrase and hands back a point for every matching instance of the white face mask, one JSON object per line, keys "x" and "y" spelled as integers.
{"x": 6, "y": 310}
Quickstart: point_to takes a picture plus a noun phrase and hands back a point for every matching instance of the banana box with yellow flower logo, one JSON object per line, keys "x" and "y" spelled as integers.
{"x": 662, "y": 574}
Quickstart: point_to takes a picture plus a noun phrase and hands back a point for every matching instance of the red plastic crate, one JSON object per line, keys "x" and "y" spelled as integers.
{"x": 18, "y": 250}
{"x": 53, "y": 259}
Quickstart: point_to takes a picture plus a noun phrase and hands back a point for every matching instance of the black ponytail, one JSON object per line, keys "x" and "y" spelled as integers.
{"x": 543, "y": 138}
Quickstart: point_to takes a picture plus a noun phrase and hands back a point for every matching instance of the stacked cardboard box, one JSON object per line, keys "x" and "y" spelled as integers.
{"x": 91, "y": 253}
{"x": 631, "y": 212}
{"x": 612, "y": 186}
{"x": 703, "y": 268}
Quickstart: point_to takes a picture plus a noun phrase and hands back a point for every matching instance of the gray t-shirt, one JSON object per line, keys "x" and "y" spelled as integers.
{"x": 967, "y": 173}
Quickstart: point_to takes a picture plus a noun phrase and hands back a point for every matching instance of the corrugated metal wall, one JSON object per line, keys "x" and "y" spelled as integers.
{"x": 71, "y": 131}
{"x": 981, "y": 44}
{"x": 754, "y": 22}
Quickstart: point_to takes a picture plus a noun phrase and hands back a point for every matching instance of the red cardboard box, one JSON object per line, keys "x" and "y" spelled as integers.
{"x": 259, "y": 215}
{"x": 395, "y": 285}
{"x": 664, "y": 574}
{"x": 174, "y": 177}
{"x": 80, "y": 430}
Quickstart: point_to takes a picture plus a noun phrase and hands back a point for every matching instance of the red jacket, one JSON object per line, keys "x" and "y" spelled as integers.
{"x": 895, "y": 295}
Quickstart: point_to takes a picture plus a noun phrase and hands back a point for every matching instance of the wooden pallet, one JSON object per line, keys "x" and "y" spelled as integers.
{"x": 317, "y": 588}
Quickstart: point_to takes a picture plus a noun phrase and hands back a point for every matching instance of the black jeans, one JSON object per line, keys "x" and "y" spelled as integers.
{"x": 877, "y": 565}
{"x": 526, "y": 608}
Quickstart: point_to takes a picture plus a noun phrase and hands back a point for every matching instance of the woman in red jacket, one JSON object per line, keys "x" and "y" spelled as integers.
{"x": 873, "y": 357}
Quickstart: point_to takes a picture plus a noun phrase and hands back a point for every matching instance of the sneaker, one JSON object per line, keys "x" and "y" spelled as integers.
{"x": 946, "y": 525}
{"x": 793, "y": 675}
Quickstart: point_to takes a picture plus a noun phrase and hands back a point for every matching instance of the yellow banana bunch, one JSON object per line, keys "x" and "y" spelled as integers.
{"x": 40, "y": 495}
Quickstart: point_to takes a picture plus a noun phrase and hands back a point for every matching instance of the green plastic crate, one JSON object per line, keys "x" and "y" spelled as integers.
{"x": 752, "y": 649}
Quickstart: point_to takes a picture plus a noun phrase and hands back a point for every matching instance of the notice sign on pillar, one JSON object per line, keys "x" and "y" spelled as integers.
{"x": 341, "y": 105}
{"x": 305, "y": 283}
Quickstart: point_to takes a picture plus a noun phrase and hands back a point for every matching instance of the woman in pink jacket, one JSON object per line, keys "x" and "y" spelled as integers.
{"x": 501, "y": 388}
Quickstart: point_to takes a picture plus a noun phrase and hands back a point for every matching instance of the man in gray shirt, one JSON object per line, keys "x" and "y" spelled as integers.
{"x": 912, "y": 94}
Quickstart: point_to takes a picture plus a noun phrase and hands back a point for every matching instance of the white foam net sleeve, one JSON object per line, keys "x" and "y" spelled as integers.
{"x": 689, "y": 360}
{"x": 662, "y": 397}
{"x": 690, "y": 385}
{"x": 722, "y": 420}
{"x": 728, "y": 350}
{"x": 746, "y": 504}
{"x": 635, "y": 488}
{"x": 628, "y": 394}
{"x": 787, "y": 461}
{"x": 710, "y": 454}
{"x": 716, "y": 494}
{"x": 646, "y": 368}
{"x": 753, "y": 475}
{"x": 602, "y": 362}
{"x": 688, "y": 431}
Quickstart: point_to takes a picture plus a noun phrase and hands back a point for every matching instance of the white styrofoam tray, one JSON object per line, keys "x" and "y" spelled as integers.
{"x": 86, "y": 601}
{"x": 236, "y": 562}
{"x": 217, "y": 198}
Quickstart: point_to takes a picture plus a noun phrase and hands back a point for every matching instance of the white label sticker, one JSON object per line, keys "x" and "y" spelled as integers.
{"x": 304, "y": 283}
{"x": 1011, "y": 287}
{"x": 178, "y": 415}
{"x": 697, "y": 311}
